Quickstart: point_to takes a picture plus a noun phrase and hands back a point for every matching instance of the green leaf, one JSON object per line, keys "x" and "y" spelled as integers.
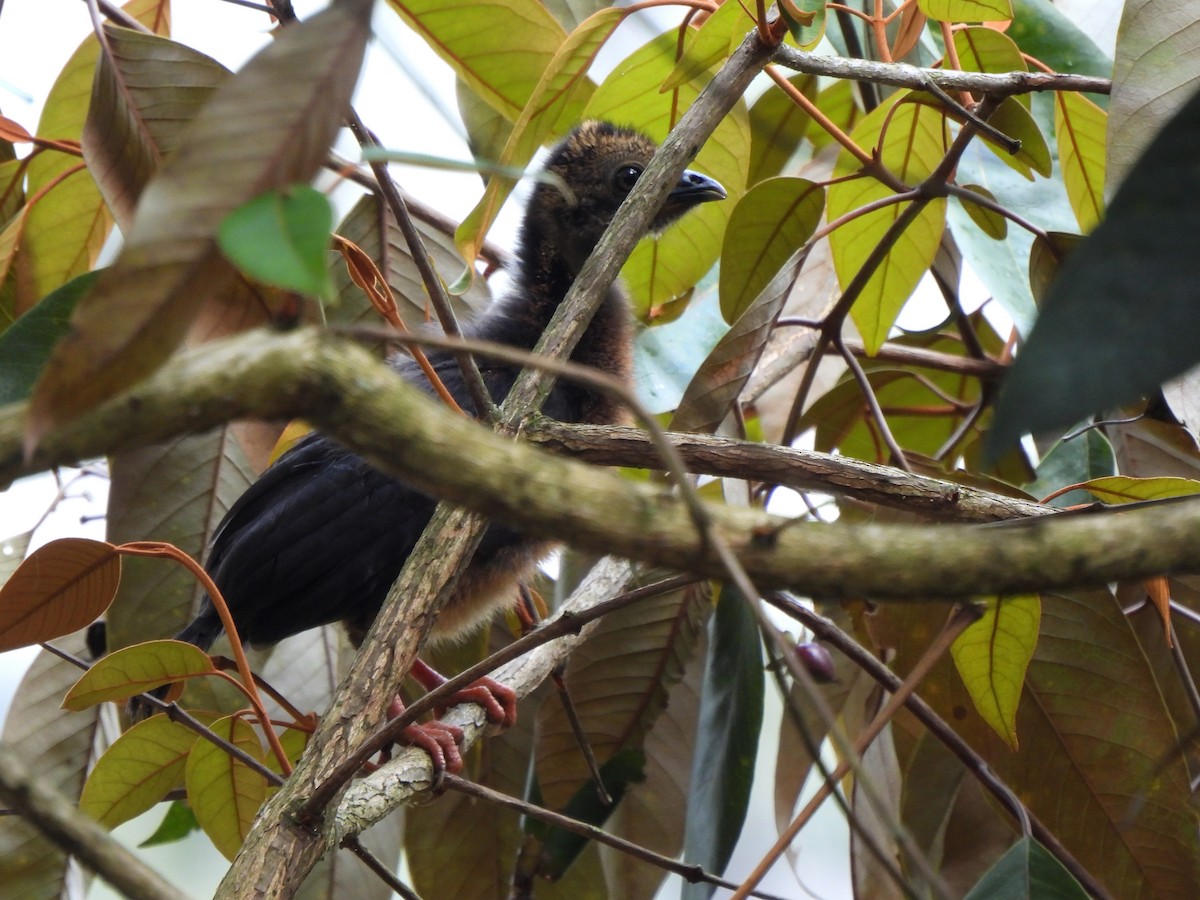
{"x": 1125, "y": 489}
{"x": 992, "y": 655}
{"x": 559, "y": 847}
{"x": 500, "y": 48}
{"x": 226, "y": 794}
{"x": 177, "y": 824}
{"x": 282, "y": 238}
{"x": 26, "y": 345}
{"x": 1079, "y": 125}
{"x": 988, "y": 50}
{"x": 137, "y": 771}
{"x": 769, "y": 224}
{"x": 1017, "y": 122}
{"x": 808, "y": 28}
{"x": 1121, "y": 317}
{"x": 966, "y": 10}
{"x": 1083, "y": 458}
{"x": 777, "y": 126}
{"x": 731, "y": 709}
{"x": 711, "y": 44}
{"x": 1044, "y": 32}
{"x": 1027, "y": 872}
{"x": 990, "y": 223}
{"x": 911, "y": 148}
{"x": 132, "y": 670}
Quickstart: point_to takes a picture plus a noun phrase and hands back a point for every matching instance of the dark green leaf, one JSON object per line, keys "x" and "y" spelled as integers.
{"x": 1027, "y": 872}
{"x": 177, "y": 824}
{"x": 26, "y": 346}
{"x": 281, "y": 238}
{"x": 731, "y": 710}
{"x": 1121, "y": 317}
{"x": 1080, "y": 459}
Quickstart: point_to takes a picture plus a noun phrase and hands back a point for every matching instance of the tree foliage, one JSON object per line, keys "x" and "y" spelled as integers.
{"x": 1036, "y": 743}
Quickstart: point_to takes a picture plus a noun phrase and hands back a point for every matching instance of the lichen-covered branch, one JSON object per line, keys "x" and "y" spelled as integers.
{"x": 59, "y": 820}
{"x": 352, "y": 396}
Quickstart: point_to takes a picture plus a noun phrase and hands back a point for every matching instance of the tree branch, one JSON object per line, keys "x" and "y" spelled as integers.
{"x": 59, "y": 820}
{"x": 801, "y": 470}
{"x": 1001, "y": 84}
{"x": 359, "y": 400}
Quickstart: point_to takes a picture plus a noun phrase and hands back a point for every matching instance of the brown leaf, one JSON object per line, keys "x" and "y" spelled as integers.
{"x": 268, "y": 127}
{"x": 1160, "y": 596}
{"x": 60, "y": 588}
{"x": 146, "y": 90}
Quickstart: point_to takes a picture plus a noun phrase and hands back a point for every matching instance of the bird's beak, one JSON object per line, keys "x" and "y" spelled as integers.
{"x": 695, "y": 188}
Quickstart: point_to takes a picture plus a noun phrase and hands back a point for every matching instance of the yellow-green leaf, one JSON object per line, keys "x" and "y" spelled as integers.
{"x": 500, "y": 48}
{"x": 60, "y": 588}
{"x": 989, "y": 221}
{"x": 1124, "y": 489}
{"x": 983, "y": 49}
{"x": 560, "y": 94}
{"x": 137, "y": 771}
{"x": 967, "y": 10}
{"x": 992, "y": 656}
{"x": 225, "y": 794}
{"x": 1081, "y": 126}
{"x": 777, "y": 126}
{"x": 711, "y": 44}
{"x": 768, "y": 225}
{"x": 1016, "y": 121}
{"x": 911, "y": 148}
{"x": 131, "y": 670}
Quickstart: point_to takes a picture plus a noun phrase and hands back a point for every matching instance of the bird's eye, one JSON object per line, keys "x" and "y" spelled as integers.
{"x": 626, "y": 177}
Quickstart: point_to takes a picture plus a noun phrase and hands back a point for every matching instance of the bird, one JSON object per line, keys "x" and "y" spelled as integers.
{"x": 321, "y": 536}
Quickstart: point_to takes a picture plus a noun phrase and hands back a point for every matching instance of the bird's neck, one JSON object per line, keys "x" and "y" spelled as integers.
{"x": 541, "y": 279}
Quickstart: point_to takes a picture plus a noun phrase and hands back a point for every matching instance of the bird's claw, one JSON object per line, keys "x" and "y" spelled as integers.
{"x": 441, "y": 742}
{"x": 498, "y": 700}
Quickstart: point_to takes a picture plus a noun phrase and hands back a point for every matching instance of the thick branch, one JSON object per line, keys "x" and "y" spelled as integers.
{"x": 1001, "y": 84}
{"x": 59, "y": 820}
{"x": 357, "y": 399}
{"x": 801, "y": 470}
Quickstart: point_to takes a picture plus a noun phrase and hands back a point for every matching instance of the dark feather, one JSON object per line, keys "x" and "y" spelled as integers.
{"x": 321, "y": 536}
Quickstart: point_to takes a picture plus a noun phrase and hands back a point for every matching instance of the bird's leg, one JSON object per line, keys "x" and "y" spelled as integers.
{"x": 498, "y": 700}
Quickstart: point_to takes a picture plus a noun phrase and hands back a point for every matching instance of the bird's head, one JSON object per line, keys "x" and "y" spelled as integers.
{"x": 600, "y": 163}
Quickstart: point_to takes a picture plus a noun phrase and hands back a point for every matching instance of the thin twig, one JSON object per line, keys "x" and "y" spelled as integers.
{"x": 691, "y": 874}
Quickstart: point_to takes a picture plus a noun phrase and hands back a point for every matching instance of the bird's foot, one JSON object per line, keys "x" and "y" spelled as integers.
{"x": 441, "y": 742}
{"x": 498, "y": 700}
{"x": 436, "y": 738}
